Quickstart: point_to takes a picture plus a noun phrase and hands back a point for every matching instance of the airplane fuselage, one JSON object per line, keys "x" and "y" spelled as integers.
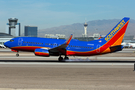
{"x": 76, "y": 47}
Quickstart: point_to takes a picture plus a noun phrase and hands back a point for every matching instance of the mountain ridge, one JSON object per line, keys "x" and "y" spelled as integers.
{"x": 95, "y": 26}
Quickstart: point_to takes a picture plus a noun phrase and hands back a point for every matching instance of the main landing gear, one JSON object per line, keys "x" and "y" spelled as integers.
{"x": 61, "y": 58}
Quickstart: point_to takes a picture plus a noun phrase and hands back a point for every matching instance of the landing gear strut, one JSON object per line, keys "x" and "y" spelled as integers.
{"x": 66, "y": 57}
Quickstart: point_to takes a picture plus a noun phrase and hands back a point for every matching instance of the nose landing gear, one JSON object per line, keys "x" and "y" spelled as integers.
{"x": 17, "y": 55}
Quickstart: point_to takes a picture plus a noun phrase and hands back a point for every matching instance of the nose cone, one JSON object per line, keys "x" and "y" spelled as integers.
{"x": 6, "y": 44}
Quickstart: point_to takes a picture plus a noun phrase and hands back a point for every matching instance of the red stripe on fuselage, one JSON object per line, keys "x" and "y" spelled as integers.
{"x": 26, "y": 48}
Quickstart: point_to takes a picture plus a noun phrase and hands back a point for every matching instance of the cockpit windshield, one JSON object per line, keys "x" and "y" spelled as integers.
{"x": 11, "y": 40}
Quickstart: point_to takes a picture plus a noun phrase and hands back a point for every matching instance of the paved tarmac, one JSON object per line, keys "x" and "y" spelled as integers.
{"x": 67, "y": 76}
{"x": 31, "y": 72}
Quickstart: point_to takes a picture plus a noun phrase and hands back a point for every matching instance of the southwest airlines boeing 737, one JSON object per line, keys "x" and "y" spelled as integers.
{"x": 71, "y": 47}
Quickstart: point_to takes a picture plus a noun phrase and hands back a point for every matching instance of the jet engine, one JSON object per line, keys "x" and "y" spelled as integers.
{"x": 42, "y": 52}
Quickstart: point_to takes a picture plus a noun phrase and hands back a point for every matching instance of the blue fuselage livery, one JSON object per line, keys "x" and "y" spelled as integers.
{"x": 71, "y": 47}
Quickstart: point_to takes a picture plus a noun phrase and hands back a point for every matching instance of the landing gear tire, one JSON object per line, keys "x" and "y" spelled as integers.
{"x": 17, "y": 55}
{"x": 66, "y": 58}
{"x": 60, "y": 59}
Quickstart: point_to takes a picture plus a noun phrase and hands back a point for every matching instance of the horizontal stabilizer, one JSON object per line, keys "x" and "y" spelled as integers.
{"x": 116, "y": 48}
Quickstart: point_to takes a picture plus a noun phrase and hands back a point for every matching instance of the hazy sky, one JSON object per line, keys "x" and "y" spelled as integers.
{"x": 53, "y": 13}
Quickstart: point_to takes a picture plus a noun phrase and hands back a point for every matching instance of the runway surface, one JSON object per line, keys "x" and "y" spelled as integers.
{"x": 103, "y": 72}
{"x": 67, "y": 76}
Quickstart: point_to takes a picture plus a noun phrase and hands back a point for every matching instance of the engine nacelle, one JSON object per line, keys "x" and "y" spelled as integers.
{"x": 42, "y": 52}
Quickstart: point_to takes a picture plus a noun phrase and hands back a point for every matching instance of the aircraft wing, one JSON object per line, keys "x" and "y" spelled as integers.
{"x": 62, "y": 48}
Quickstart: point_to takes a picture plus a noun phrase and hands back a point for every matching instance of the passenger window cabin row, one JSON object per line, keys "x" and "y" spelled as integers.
{"x": 57, "y": 45}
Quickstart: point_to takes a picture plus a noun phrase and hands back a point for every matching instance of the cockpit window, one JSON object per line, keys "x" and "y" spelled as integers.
{"x": 11, "y": 40}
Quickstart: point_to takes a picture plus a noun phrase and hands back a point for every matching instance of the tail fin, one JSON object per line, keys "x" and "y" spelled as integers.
{"x": 115, "y": 36}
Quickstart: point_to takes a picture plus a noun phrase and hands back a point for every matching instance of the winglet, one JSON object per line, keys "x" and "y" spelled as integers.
{"x": 100, "y": 37}
{"x": 69, "y": 39}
